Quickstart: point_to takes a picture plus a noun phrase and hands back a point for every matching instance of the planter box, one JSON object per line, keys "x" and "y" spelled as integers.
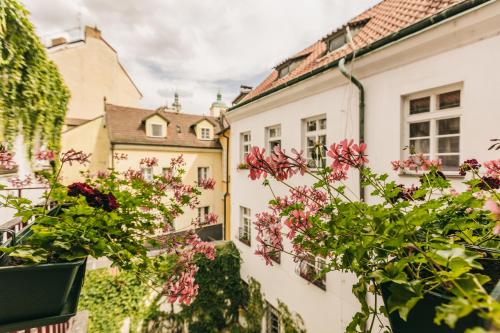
{"x": 421, "y": 317}
{"x": 39, "y": 294}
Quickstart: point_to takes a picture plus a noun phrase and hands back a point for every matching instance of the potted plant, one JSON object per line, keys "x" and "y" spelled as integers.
{"x": 430, "y": 250}
{"x": 110, "y": 214}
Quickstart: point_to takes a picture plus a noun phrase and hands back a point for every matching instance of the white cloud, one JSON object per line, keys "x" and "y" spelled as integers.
{"x": 198, "y": 47}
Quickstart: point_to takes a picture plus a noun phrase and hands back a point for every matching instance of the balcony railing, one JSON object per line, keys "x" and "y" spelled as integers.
{"x": 244, "y": 236}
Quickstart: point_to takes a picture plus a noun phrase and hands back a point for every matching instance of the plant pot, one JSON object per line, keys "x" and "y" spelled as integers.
{"x": 421, "y": 317}
{"x": 39, "y": 295}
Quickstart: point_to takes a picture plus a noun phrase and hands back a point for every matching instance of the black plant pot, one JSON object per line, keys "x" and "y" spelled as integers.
{"x": 38, "y": 295}
{"x": 421, "y": 317}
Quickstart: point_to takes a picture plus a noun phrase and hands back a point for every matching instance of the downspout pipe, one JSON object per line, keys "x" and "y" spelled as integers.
{"x": 226, "y": 192}
{"x": 359, "y": 85}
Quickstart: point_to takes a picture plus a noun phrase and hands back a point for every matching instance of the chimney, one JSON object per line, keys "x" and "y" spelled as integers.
{"x": 58, "y": 41}
{"x": 244, "y": 90}
{"x": 92, "y": 32}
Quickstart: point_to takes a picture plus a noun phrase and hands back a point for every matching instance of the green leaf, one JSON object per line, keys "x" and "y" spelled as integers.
{"x": 403, "y": 298}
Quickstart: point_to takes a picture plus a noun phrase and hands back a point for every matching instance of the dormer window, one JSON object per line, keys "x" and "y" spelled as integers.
{"x": 337, "y": 42}
{"x": 289, "y": 66}
{"x": 156, "y": 130}
{"x": 205, "y": 133}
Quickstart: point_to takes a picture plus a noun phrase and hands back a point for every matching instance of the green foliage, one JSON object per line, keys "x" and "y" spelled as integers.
{"x": 110, "y": 298}
{"x": 290, "y": 322}
{"x": 33, "y": 96}
{"x": 255, "y": 308}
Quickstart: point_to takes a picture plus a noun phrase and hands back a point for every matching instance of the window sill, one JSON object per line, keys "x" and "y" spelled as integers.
{"x": 418, "y": 175}
{"x": 318, "y": 283}
{"x": 244, "y": 241}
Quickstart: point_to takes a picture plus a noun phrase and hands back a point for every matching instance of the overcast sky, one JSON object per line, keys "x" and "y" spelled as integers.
{"x": 197, "y": 46}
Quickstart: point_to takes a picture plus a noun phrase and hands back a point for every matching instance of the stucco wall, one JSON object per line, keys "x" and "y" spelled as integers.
{"x": 91, "y": 138}
{"x": 91, "y": 71}
{"x": 464, "y": 51}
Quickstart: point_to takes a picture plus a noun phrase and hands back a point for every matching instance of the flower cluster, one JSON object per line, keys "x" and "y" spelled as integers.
{"x": 207, "y": 183}
{"x": 94, "y": 197}
{"x": 73, "y": 156}
{"x": 469, "y": 165}
{"x": 45, "y": 155}
{"x": 346, "y": 154}
{"x": 120, "y": 156}
{"x": 416, "y": 163}
{"x": 6, "y": 158}
{"x": 149, "y": 162}
{"x": 17, "y": 182}
{"x": 269, "y": 237}
{"x": 278, "y": 164}
{"x": 493, "y": 168}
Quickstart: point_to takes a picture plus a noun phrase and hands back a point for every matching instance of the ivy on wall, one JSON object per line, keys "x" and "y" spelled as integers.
{"x": 110, "y": 298}
{"x": 33, "y": 96}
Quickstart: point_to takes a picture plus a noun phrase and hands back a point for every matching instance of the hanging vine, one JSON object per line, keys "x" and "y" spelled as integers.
{"x": 33, "y": 96}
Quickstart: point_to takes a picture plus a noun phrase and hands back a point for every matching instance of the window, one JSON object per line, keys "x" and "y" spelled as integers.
{"x": 432, "y": 126}
{"x": 273, "y": 134}
{"x": 272, "y": 319}
{"x": 315, "y": 141}
{"x": 289, "y": 67}
{"x": 244, "y": 233}
{"x": 205, "y": 133}
{"x": 245, "y": 139}
{"x": 156, "y": 130}
{"x": 202, "y": 213}
{"x": 337, "y": 42}
{"x": 147, "y": 173}
{"x": 310, "y": 268}
{"x": 202, "y": 174}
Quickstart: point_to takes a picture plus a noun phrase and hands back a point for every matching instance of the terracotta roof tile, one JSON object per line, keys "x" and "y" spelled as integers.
{"x": 126, "y": 126}
{"x": 383, "y": 19}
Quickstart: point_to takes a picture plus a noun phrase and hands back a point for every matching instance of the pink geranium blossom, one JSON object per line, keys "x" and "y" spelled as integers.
{"x": 492, "y": 168}
{"x": 207, "y": 183}
{"x": 45, "y": 155}
{"x": 6, "y": 158}
{"x": 72, "y": 156}
{"x": 149, "y": 162}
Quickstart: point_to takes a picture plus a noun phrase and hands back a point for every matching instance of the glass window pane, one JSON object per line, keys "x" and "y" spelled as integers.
{"x": 449, "y": 126}
{"x": 337, "y": 42}
{"x": 420, "y": 146}
{"x": 322, "y": 140}
{"x": 311, "y": 141}
{"x": 449, "y": 144}
{"x": 274, "y": 143}
{"x": 449, "y": 100}
{"x": 450, "y": 162}
{"x": 420, "y": 129}
{"x": 420, "y": 105}
{"x": 322, "y": 123}
{"x": 311, "y": 125}
{"x": 272, "y": 132}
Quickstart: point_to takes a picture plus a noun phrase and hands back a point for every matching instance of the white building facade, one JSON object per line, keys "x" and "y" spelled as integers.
{"x": 437, "y": 89}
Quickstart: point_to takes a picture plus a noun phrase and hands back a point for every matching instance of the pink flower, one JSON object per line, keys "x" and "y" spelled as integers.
{"x": 6, "y": 158}
{"x": 493, "y": 168}
{"x": 492, "y": 206}
{"x": 269, "y": 237}
{"x": 45, "y": 155}
{"x": 75, "y": 156}
{"x": 20, "y": 183}
{"x": 120, "y": 157}
{"x": 346, "y": 154}
{"x": 149, "y": 162}
{"x": 207, "y": 183}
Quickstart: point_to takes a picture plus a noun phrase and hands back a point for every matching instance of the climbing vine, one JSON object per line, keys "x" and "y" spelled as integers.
{"x": 110, "y": 298}
{"x": 33, "y": 96}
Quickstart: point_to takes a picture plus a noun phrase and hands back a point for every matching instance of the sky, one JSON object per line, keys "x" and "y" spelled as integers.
{"x": 197, "y": 47}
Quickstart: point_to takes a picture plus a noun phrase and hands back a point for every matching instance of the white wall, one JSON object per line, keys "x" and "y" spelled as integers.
{"x": 464, "y": 50}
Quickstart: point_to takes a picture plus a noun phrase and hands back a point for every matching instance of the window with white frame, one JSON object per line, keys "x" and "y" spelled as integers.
{"x": 272, "y": 319}
{"x": 205, "y": 133}
{"x": 157, "y": 130}
{"x": 147, "y": 173}
{"x": 244, "y": 232}
{"x": 202, "y": 173}
{"x": 202, "y": 213}
{"x": 432, "y": 125}
{"x": 246, "y": 144}
{"x": 315, "y": 140}
{"x": 273, "y": 137}
{"x": 310, "y": 268}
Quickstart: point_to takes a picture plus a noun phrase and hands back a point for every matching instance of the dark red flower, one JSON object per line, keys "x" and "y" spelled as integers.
{"x": 110, "y": 202}
{"x": 489, "y": 183}
{"x": 77, "y": 189}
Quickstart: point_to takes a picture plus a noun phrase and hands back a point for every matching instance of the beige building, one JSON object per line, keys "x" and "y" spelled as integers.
{"x": 92, "y": 71}
{"x": 163, "y": 133}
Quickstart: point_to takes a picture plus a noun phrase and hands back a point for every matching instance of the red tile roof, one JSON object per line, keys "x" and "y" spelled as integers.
{"x": 382, "y": 20}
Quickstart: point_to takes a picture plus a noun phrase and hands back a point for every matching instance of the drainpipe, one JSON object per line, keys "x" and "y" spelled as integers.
{"x": 361, "y": 89}
{"x": 226, "y": 192}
